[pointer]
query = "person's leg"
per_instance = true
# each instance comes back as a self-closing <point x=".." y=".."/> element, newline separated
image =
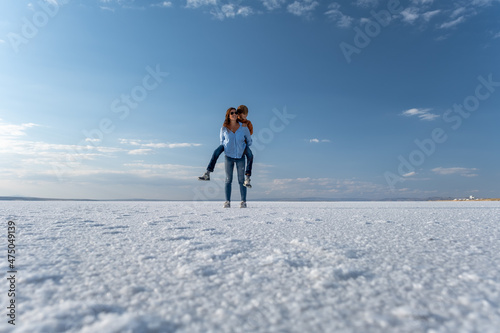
<point x="229" y="164"/>
<point x="240" y="168"/>
<point x="248" y="172"/>
<point x="211" y="164"/>
<point x="249" y="155"/>
<point x="215" y="156"/>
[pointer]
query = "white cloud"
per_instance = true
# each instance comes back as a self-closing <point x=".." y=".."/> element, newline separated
<point x="430" y="14"/>
<point x="163" y="4"/>
<point x="497" y="35"/>
<point x="41" y="161"/>
<point x="410" y="15"/>
<point x="53" y="2"/>
<point x="149" y="145"/>
<point x="418" y="12"/>
<point x="325" y="188"/>
<point x="422" y="2"/>
<point x="334" y="14"/>
<point x="273" y="4"/>
<point x="458" y="12"/>
<point x="244" y="11"/>
<point x="483" y="2"/>
<point x="12" y="130"/>
<point x="231" y="11"/>
<point x="442" y="37"/>
<point x="57" y="163"/>
<point x="182" y="145"/>
<point x="141" y="151"/>
<point x="158" y="166"/>
<point x="345" y="21"/>
<point x="129" y="142"/>
<point x="38" y="157"/>
<point x="366" y="3"/>
<point x="318" y="140"/>
<point x="302" y="8"/>
<point x="148" y="170"/>
<point x="200" y="3"/>
<point x="87" y="163"/>
<point x="54" y="150"/>
<point x="451" y="24"/>
<point x="228" y="10"/>
<point x="464" y="172"/>
<point x="423" y="114"/>
<point x="92" y="140"/>
<point x="37" y="160"/>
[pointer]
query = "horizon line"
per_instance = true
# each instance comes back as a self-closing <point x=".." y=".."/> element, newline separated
<point x="25" y="198"/>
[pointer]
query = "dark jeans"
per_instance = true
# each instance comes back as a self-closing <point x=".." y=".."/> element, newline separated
<point x="215" y="156"/>
<point x="249" y="156"/>
<point x="240" y="168"/>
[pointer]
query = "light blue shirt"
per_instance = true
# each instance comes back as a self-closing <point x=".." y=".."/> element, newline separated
<point x="234" y="143"/>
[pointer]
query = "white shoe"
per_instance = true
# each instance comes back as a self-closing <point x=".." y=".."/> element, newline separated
<point x="243" y="204"/>
<point x="227" y="204"/>
<point x="206" y="176"/>
<point x="247" y="183"/>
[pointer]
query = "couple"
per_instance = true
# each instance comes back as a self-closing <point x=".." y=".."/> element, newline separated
<point x="235" y="139"/>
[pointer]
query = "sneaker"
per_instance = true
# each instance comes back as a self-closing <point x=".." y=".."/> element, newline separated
<point x="206" y="176"/>
<point x="227" y="204"/>
<point x="243" y="204"/>
<point x="247" y="183"/>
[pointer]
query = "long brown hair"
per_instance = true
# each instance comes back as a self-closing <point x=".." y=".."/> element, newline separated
<point x="228" y="113"/>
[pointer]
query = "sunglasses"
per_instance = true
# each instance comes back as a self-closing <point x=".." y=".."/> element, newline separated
<point x="237" y="112"/>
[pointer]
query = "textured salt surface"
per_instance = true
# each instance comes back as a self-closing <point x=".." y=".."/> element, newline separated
<point x="274" y="267"/>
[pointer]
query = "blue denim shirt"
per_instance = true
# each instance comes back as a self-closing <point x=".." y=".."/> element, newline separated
<point x="234" y="143"/>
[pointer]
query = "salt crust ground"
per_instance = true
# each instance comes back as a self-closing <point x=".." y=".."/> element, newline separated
<point x="274" y="267"/>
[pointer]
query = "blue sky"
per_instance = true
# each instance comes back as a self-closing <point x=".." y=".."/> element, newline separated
<point x="349" y="99"/>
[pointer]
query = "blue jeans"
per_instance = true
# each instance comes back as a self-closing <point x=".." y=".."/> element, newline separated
<point x="249" y="156"/>
<point x="215" y="156"/>
<point x="240" y="168"/>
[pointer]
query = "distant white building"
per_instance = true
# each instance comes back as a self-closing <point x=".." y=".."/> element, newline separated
<point x="471" y="197"/>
